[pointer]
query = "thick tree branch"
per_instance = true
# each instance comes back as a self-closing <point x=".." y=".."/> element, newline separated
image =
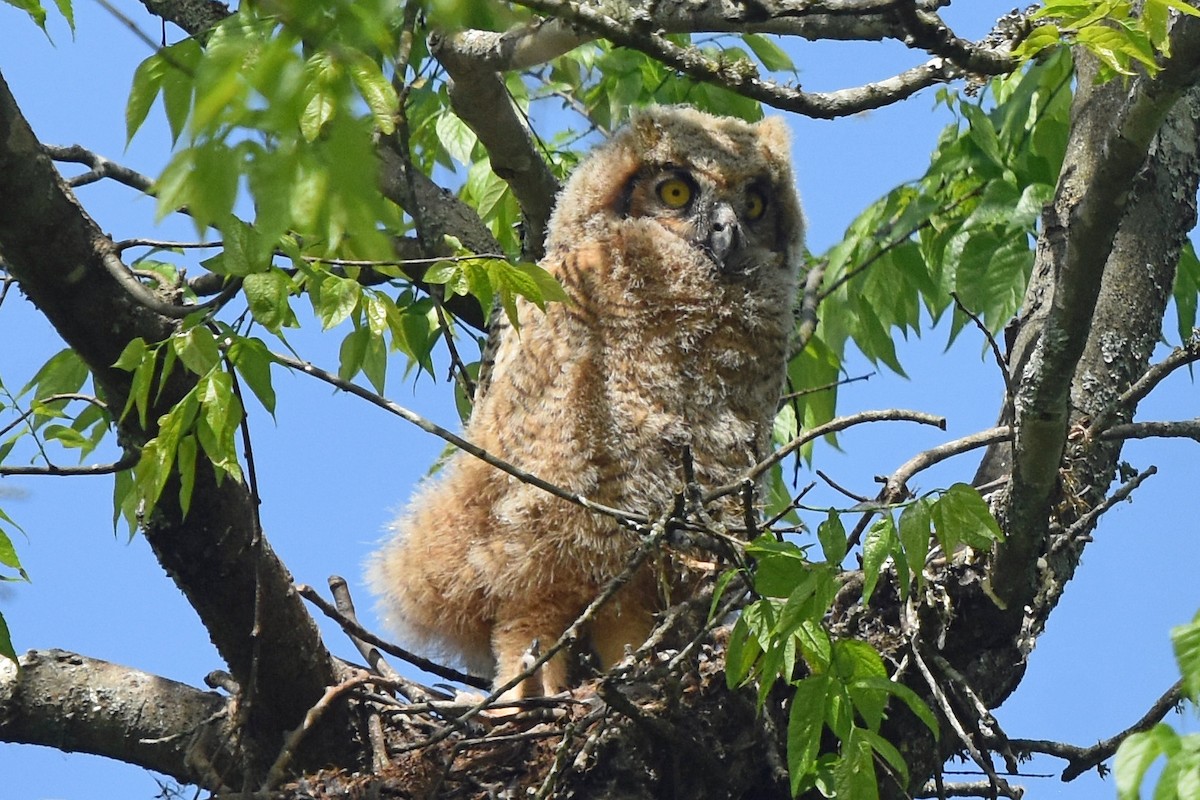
<point x="480" y="99"/>
<point x="741" y="77"/>
<point x="1106" y="149"/>
<point x="76" y="703"/>
<point x="56" y="252"/>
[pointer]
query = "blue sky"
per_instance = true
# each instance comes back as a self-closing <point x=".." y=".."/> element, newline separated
<point x="334" y="470"/>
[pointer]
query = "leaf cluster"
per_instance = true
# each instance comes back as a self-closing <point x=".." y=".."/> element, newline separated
<point x="1119" y="33"/>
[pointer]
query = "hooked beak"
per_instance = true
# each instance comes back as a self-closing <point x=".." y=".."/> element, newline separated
<point x="725" y="233"/>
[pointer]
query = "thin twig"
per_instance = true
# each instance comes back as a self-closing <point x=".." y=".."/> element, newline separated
<point x="1082" y="759"/>
<point x="833" y="426"/>
<point x="623" y="517"/>
<point x="1084" y="523"/>
<point x="1010" y="391"/>
<point x="356" y="631"/>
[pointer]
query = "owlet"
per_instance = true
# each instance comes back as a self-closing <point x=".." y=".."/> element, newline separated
<point x="679" y="243"/>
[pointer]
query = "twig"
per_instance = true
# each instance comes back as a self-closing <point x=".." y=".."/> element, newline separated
<point x="897" y="483"/>
<point x="458" y="369"/>
<point x="138" y="291"/>
<point x="970" y="789"/>
<point x="995" y="782"/>
<point x="1009" y="390"/>
<point x="1189" y="429"/>
<point x="101" y="167"/>
<point x="806" y="319"/>
<point x="1084" y="523"/>
<point x="623" y="517"/>
<point x="833" y="426"/>
<point x="826" y="387"/>
<point x="858" y="498"/>
<point x="1081" y="759"/>
<point x="357" y="632"/>
<point x="1181" y="356"/>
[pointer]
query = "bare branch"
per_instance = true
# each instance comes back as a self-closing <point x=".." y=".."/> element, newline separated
<point x="480" y="98"/>
<point x="354" y="629"/>
<point x="1081" y="759"/>
<point x="624" y="517"/>
<point x="1189" y="429"/>
<point x="101" y="168"/>
<point x="833" y="426"/>
<point x="740" y="76"/>
<point x="153" y="722"/>
<point x="896" y="483"/>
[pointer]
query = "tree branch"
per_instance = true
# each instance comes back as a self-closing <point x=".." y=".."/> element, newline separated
<point x="740" y="76"/>
<point x="57" y="252"/>
<point x="1081" y="759"/>
<point x="75" y="703"/>
<point x="1106" y="148"/>
<point x="480" y="98"/>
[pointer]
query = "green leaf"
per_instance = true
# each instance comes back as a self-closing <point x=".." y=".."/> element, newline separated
<point x="147" y="82"/>
<point x="454" y="135"/>
<point x="888" y="752"/>
<point x="854" y="773"/>
<point x="832" y="536"/>
<point x="1185" y="640"/>
<point x="268" y="295"/>
<point x="741" y="654"/>
<point x="915" y="537"/>
<point x="253" y="360"/>
<point x="806" y="720"/>
<point x="186" y="456"/>
<point x="907" y="696"/>
<point x="198" y="350"/>
<point x="376" y="90"/>
<point x="352" y="353"/>
<point x="1135" y="755"/>
<point x="33" y="8"/>
<point x="6" y="645"/>
<point x="1186" y="290"/>
<point x="961" y="514"/>
<point x="64" y="373"/>
<point x="772" y="56"/>
<point x="8" y="553"/>
<point x="336" y="300"/>
<point x="878" y="545"/>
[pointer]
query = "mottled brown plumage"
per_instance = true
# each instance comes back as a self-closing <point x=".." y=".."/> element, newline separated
<point x="679" y="242"/>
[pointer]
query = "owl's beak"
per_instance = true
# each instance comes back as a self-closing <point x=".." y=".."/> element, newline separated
<point x="725" y="233"/>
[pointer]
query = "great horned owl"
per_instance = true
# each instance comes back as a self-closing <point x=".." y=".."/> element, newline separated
<point x="678" y="243"/>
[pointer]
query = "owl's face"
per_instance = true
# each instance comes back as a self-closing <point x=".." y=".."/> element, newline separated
<point x="713" y="192"/>
<point x="735" y="223"/>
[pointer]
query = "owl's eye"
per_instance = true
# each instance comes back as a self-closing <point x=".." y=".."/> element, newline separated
<point x="675" y="192"/>
<point x="756" y="204"/>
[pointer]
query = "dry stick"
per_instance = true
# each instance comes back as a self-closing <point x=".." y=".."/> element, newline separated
<point x="1081" y="759"/>
<point x="458" y="369"/>
<point x="627" y="518"/>
<point x="345" y="606"/>
<point x="279" y="769"/>
<point x="833" y="426"/>
<point x="1087" y="520"/>
<point x="995" y="781"/>
<point x="357" y="632"/>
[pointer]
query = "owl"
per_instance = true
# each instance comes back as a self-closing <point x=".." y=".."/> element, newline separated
<point x="678" y="243"/>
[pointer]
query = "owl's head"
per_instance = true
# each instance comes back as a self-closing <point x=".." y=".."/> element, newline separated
<point x="718" y="185"/>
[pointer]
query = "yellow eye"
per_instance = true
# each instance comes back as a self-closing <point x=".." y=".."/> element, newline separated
<point x="675" y="192"/>
<point x="756" y="204"/>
